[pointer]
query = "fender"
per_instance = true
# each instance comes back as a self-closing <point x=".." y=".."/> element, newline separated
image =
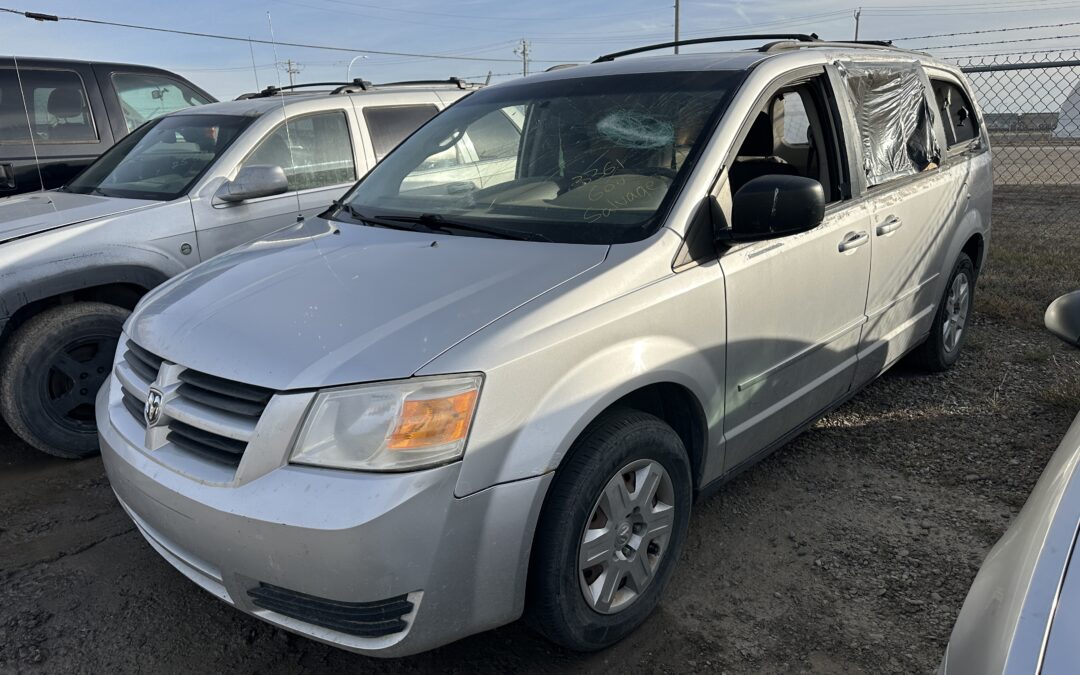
<point x="23" y="286"/>
<point x="511" y="444"/>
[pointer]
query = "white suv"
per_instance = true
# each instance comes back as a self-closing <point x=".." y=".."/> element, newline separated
<point x="446" y="403"/>
<point x="178" y="190"/>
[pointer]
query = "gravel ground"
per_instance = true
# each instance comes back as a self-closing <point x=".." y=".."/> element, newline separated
<point x="850" y="550"/>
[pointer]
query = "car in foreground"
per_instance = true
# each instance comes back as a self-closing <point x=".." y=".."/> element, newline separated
<point x="455" y="399"/>
<point x="57" y="116"/>
<point x="1022" y="614"/>
<point x="178" y="190"/>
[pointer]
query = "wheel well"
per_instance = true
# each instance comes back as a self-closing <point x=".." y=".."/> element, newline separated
<point x="119" y="294"/>
<point x="677" y="406"/>
<point x="974" y="249"/>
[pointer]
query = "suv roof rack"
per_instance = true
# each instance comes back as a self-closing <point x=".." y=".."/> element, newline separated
<point x="453" y="81"/>
<point x="798" y="37"/>
<point x="842" y="44"/>
<point x="272" y="90"/>
<point x="356" y="86"/>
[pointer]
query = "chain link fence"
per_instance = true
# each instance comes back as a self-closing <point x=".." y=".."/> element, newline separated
<point x="1031" y="107"/>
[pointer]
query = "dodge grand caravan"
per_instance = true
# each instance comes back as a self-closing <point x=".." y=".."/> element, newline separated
<point x="447" y="403"/>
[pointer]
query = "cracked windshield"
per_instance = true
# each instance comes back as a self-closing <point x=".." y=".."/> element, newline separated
<point x="586" y="160"/>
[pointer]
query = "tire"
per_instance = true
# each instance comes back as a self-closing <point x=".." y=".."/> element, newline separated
<point x="556" y="603"/>
<point x="50" y="372"/>
<point x="940" y="352"/>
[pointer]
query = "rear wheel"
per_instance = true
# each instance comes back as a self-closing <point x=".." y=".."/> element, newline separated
<point x="50" y="373"/>
<point x="949" y="331"/>
<point x="610" y="533"/>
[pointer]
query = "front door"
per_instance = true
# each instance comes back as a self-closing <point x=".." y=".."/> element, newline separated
<point x="316" y="152"/>
<point x="795" y="304"/>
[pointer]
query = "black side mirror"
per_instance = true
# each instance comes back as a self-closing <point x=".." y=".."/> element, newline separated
<point x="775" y="206"/>
<point x="1063" y="318"/>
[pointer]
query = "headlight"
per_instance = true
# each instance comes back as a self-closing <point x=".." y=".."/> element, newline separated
<point x="392" y="426"/>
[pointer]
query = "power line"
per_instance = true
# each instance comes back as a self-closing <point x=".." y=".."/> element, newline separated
<point x="990" y="30"/>
<point x="235" y="38"/>
<point x="1002" y="42"/>
<point x="491" y="18"/>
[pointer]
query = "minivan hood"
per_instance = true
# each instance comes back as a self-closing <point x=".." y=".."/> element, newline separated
<point x="313" y="306"/>
<point x="34" y="212"/>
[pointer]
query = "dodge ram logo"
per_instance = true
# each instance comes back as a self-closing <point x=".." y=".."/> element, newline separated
<point x="152" y="409"/>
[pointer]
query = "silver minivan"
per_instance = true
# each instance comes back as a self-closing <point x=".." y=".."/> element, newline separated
<point x="446" y="404"/>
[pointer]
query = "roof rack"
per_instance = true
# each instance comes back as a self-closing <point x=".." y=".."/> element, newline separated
<point x="362" y="85"/>
<point x="455" y="81"/>
<point x="840" y="44"/>
<point x="798" y="37"/>
<point x="356" y="86"/>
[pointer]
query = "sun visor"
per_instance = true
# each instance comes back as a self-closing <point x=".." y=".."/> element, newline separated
<point x="896" y="124"/>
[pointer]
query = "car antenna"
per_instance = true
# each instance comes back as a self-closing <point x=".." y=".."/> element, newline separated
<point x="29" y="126"/>
<point x="284" y="113"/>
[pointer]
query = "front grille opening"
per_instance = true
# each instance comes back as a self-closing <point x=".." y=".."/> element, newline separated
<point x="221" y="394"/>
<point x="145" y="364"/>
<point x="362" y="619"/>
<point x="133" y="405"/>
<point x="206" y="444"/>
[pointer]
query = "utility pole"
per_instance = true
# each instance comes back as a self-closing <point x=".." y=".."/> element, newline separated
<point x="858" y="13"/>
<point x="676" y="25"/>
<point x="523" y="50"/>
<point x="292" y="68"/>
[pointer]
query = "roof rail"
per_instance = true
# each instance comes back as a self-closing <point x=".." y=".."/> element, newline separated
<point x="799" y="37"/>
<point x="274" y="91"/>
<point x="454" y="81"/>
<point x="356" y="86"/>
<point x="844" y="44"/>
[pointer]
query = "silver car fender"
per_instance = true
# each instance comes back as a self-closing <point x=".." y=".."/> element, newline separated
<point x="555" y="364"/>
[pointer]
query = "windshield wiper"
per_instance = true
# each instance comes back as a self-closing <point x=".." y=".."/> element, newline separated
<point x="435" y="221"/>
<point x="375" y="221"/>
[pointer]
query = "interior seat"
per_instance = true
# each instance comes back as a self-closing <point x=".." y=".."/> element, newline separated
<point x="757" y="156"/>
<point x="67" y="105"/>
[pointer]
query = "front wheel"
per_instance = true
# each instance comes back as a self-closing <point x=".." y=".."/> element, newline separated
<point x="610" y="533"/>
<point x="950" y="328"/>
<point x="50" y="373"/>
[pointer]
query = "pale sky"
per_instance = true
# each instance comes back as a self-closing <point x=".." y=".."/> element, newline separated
<point x="560" y="31"/>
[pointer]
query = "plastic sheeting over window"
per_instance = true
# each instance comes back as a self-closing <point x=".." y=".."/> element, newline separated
<point x="896" y="124"/>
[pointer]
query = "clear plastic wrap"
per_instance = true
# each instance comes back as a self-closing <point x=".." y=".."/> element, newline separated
<point x="896" y="124"/>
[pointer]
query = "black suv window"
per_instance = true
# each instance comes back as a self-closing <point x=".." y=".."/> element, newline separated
<point x="56" y="103"/>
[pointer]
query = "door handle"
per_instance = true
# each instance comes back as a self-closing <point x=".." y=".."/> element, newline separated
<point x="853" y="240"/>
<point x="7" y="176"/>
<point x="891" y="224"/>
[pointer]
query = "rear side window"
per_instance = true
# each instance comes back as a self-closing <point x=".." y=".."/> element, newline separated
<point x="957" y="114"/>
<point x="895" y="121"/>
<point x="13" y="125"/>
<point x="494" y="136"/>
<point x="57" y="105"/>
<point x="390" y="125"/>
<point x="314" y="150"/>
<point x="144" y="97"/>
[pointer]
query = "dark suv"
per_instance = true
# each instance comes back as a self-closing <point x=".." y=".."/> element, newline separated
<point x="57" y="116"/>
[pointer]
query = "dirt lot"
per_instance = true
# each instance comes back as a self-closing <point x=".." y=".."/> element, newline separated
<point x="850" y="550"/>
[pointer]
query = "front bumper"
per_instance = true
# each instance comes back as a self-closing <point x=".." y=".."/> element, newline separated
<point x="343" y="536"/>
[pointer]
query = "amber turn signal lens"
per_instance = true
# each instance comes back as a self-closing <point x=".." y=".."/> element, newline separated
<point x="435" y="421"/>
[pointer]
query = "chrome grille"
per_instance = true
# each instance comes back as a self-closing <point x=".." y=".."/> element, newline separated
<point x="203" y="415"/>
<point x="145" y="364"/>
<point x="133" y="405"/>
